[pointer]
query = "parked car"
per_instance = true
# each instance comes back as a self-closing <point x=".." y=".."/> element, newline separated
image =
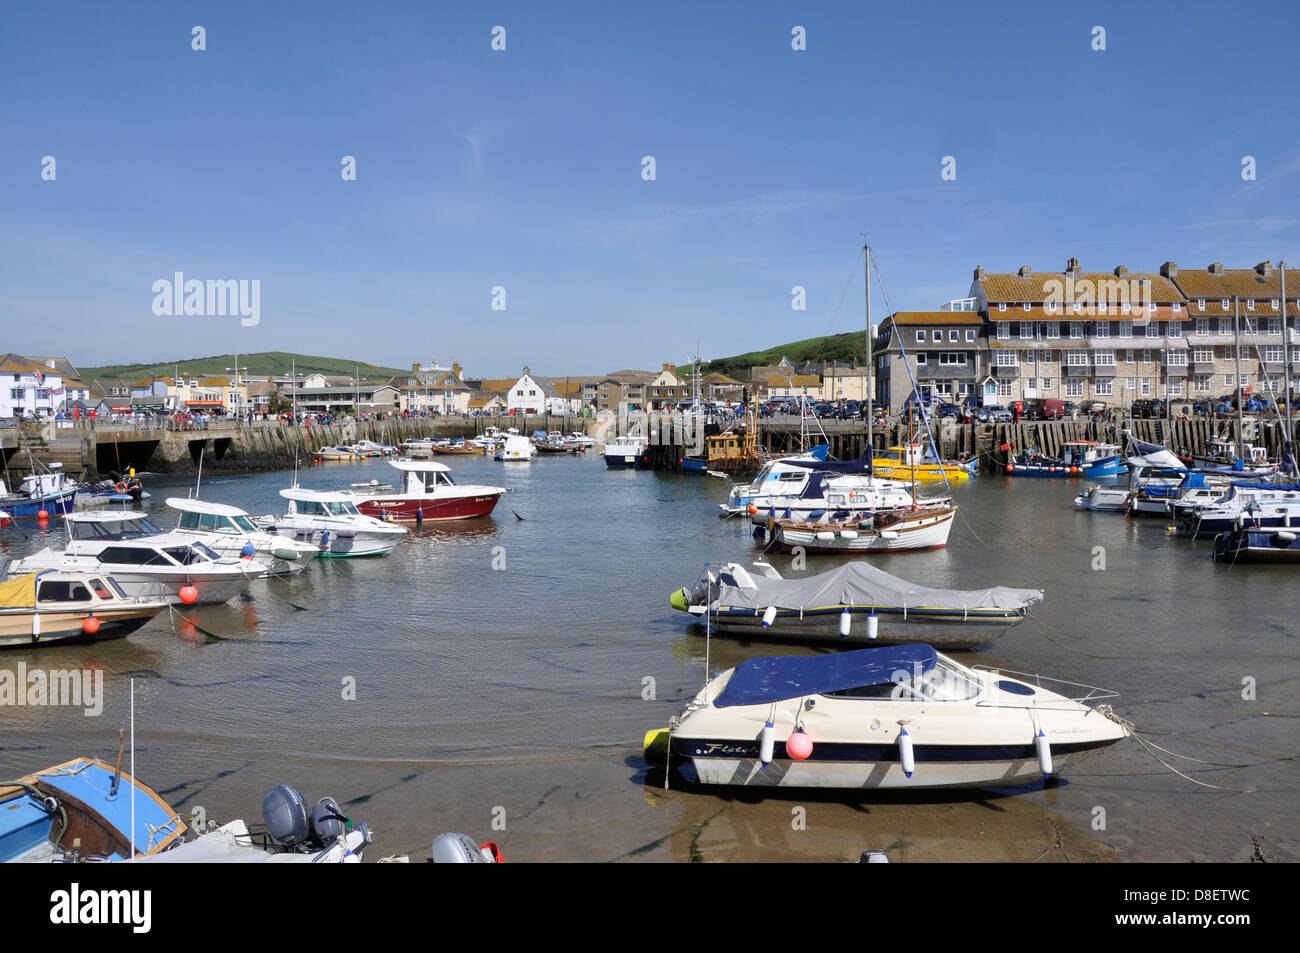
<point x="1148" y="409"/>
<point x="1093" y="408"/>
<point x="994" y="413"/>
<point x="1044" y="408"/>
<point x="950" y="410"/>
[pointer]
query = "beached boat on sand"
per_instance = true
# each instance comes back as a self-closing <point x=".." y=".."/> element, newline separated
<point x="884" y="718"/>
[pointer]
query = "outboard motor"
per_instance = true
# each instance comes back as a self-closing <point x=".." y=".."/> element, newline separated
<point x="457" y="849"/>
<point x="285" y="812"/>
<point x="328" y="822"/>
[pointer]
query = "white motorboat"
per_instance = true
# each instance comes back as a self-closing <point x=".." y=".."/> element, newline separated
<point x="229" y="531"/>
<point x="515" y="449"/>
<point x="924" y="527"/>
<point x="46" y="607"/>
<point x="1104" y="499"/>
<point x="429" y="494"/>
<point x="1241" y="504"/>
<point x="885" y="718"/>
<point x="332" y="522"/>
<point x="577" y="439"/>
<point x="781" y="482"/>
<point x="145" y="561"/>
<point x="856" y="602"/>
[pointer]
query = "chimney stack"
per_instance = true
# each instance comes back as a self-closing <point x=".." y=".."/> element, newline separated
<point x="1216" y="268"/>
<point x="1072" y="268"/>
<point x="1265" y="269"/>
<point x="415" y="367"/>
<point x="1170" y="270"/>
<point x="1025" y="271"/>
<point x="979" y="272"/>
<point x="1121" y="271"/>
<point x="455" y="368"/>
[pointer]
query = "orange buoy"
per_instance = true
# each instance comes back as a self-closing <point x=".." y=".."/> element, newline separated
<point x="1011" y="467"/>
<point x="90" y="625"/>
<point x="188" y="594"/>
<point x="43" y="515"/>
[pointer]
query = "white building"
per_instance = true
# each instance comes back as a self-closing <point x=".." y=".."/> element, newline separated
<point x="536" y="395"/>
<point x="29" y="388"/>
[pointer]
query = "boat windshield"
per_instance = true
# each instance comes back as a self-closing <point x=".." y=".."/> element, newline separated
<point x="215" y="523"/>
<point x="131" y="528"/>
<point x="340" y="508"/>
<point x="946" y="682"/>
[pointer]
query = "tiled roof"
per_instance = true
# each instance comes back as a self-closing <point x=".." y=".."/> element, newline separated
<point x="935" y="317"/>
<point x="1162" y="313"/>
<point x="1034" y="287"/>
<point x="1245" y="283"/>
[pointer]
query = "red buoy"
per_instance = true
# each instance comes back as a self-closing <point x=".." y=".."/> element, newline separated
<point x="90" y="625"/>
<point x="1010" y="467"/>
<point x="43" y="515"/>
<point x="189" y="595"/>
<point x="799" y="746"/>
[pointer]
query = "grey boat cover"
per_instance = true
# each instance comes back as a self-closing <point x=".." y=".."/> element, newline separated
<point x="861" y="584"/>
<point x="774" y="679"/>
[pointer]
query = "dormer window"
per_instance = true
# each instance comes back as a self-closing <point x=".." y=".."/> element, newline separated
<point x="1051" y="307"/>
<point x="1151" y="308"/>
<point x="1273" y="304"/>
<point x="1002" y="306"/>
<point x="1025" y="306"/>
<point x="1250" y="304"/>
<point x="1200" y="304"/>
<point x="1177" y="307"/>
<point x="1225" y="304"/>
<point x="1126" y="308"/>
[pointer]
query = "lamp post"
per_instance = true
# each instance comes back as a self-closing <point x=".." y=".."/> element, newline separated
<point x="237" y="369"/>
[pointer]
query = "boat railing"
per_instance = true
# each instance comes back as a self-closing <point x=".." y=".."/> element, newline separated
<point x="1005" y="698"/>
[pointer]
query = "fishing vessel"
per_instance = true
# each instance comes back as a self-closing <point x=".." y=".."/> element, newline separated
<point x="144" y="560"/>
<point x="1088" y="458"/>
<point x="229" y="531"/>
<point x="856" y="602"/>
<point x="429" y="493"/>
<point x="626" y="452"/>
<point x="923" y="527"/>
<point x="331" y="522"/>
<point x="51" y="493"/>
<point x="45" y="607"/>
<point x="913" y="463"/>
<point x="884" y="718"/>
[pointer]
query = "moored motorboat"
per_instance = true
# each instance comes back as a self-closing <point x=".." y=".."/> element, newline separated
<point x="332" y="522"/>
<point x="50" y="606"/>
<point x="229" y="531"/>
<point x="923" y="527"/>
<point x="883" y="718"/>
<point x="856" y="602"/>
<point x="911" y="463"/>
<point x="428" y="494"/>
<point x="1253" y="544"/>
<point x="335" y="453"/>
<point x="143" y="559"/>
<point x="1101" y="498"/>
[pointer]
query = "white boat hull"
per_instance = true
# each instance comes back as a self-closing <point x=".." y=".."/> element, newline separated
<point x="927" y="532"/>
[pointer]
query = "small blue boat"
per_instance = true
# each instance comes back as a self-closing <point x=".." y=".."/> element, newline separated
<point x="83" y="807"/>
<point x="1079" y="458"/>
<point x="52" y="492"/>
<point x="1253" y="544"/>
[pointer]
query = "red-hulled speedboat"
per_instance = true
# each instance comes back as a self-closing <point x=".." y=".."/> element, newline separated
<point x="429" y="493"/>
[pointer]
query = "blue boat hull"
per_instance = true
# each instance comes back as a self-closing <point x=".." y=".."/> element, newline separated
<point x="1105" y="467"/>
<point x="54" y="503"/>
<point x="691" y="465"/>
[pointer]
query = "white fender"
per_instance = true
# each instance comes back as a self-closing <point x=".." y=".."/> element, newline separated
<point x="769" y="617"/>
<point x="1044" y="753"/>
<point x="767" y="743"/>
<point x="846" y="621"/>
<point x="906" y="753"/>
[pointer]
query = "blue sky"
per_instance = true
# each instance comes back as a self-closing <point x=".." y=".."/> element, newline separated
<point x="522" y="168"/>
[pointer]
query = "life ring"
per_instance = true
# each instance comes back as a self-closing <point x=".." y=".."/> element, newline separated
<point x="121" y="486"/>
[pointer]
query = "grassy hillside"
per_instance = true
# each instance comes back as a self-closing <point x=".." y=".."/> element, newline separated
<point x="850" y="347"/>
<point x="258" y="365"/>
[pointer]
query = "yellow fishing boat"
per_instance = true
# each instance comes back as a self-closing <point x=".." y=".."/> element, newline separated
<point x="909" y="463"/>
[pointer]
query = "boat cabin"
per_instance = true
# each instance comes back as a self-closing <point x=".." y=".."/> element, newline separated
<point x="1077" y="452"/>
<point x="322" y="507"/>
<point x="113" y="525"/>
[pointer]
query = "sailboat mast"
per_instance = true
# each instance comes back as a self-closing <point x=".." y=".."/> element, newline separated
<point x="1236" y="349"/>
<point x="871" y="380"/>
<point x="1286" y="364"/>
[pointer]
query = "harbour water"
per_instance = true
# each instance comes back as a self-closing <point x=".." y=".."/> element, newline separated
<point x="506" y="669"/>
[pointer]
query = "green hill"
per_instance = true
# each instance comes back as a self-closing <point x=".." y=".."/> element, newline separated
<point x="258" y="365"/>
<point x="850" y="347"/>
